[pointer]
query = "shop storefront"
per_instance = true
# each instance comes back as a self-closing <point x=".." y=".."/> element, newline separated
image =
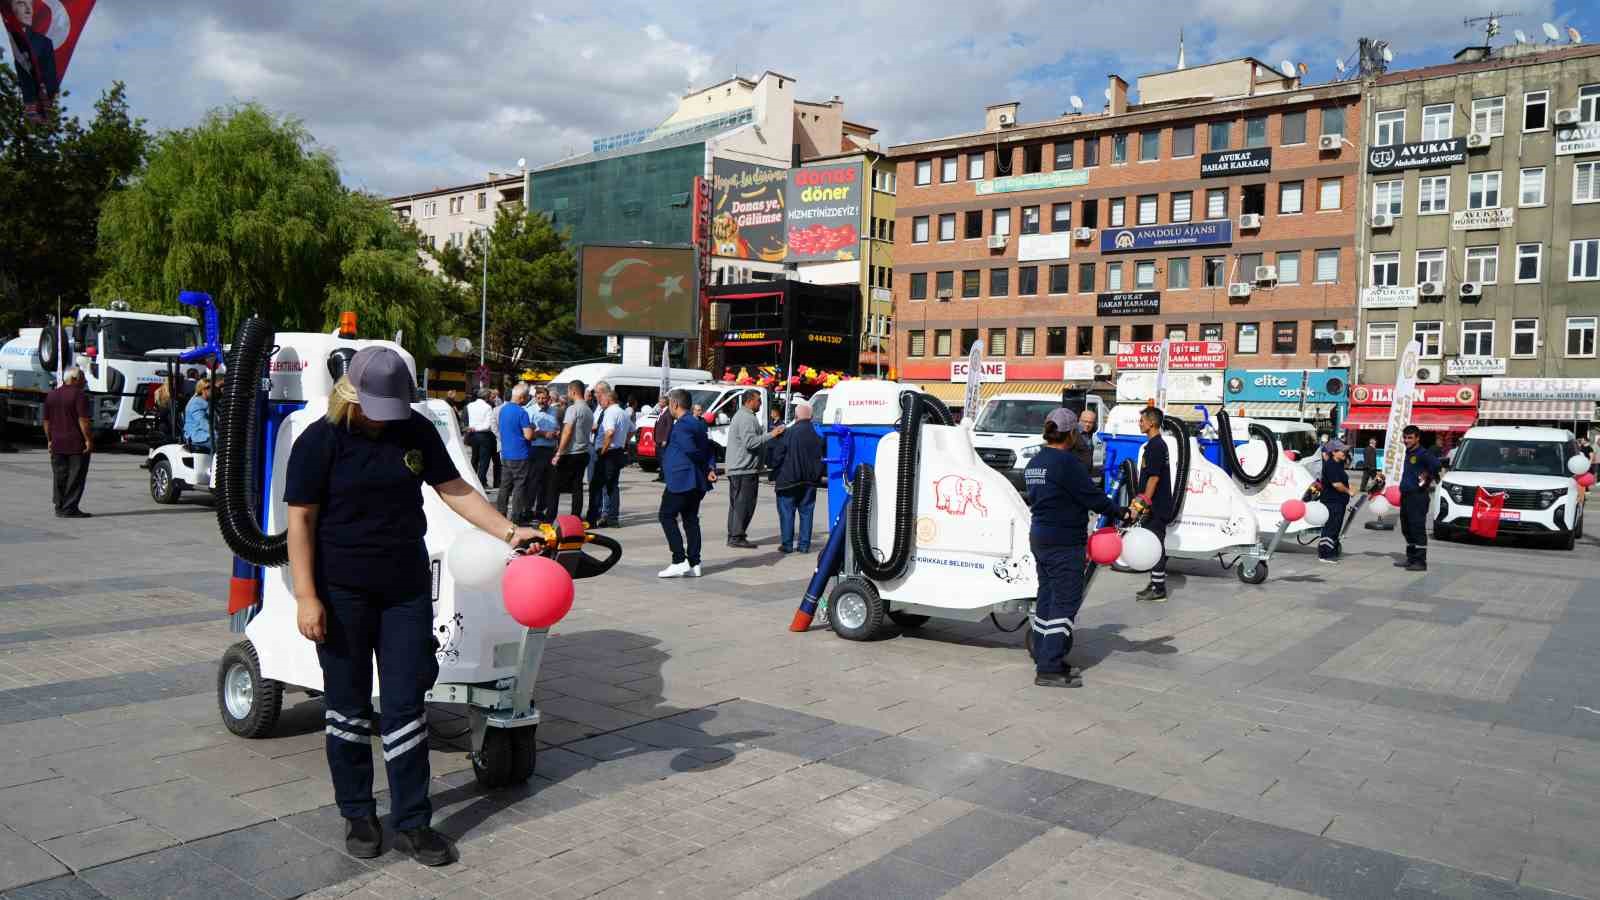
<point x="1194" y="375"/>
<point x="1301" y="395"/>
<point x="1557" y="402"/>
<point x="1004" y="377"/>
<point x="1445" y="411"/>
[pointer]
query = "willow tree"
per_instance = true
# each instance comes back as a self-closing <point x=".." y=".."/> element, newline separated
<point x="247" y="207"/>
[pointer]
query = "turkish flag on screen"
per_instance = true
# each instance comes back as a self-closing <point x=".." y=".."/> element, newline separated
<point x="1486" y="513"/>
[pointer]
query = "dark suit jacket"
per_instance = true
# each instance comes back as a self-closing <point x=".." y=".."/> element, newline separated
<point x="687" y="458"/>
<point x="43" y="54"/>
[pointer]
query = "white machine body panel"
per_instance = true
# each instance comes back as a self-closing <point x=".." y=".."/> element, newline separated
<point x="1216" y="514"/>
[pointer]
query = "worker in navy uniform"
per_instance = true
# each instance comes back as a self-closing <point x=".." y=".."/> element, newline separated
<point x="1416" y="480"/>
<point x="1336" y="493"/>
<point x="363" y="586"/>
<point x="1061" y="494"/>
<point x="1153" y="492"/>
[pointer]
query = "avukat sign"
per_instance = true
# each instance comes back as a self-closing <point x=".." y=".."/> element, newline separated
<point x="43" y="34"/>
<point x="1405" y="389"/>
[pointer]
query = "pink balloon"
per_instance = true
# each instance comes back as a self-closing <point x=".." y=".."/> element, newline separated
<point x="1293" y="509"/>
<point x="1105" y="546"/>
<point x="1586" y="480"/>
<point x="537" y="591"/>
<point x="1392" y="494"/>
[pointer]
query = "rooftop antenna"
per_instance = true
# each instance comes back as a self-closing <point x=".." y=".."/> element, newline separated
<point x="1490" y="23"/>
<point x="1077" y="103"/>
<point x="1108" y="98"/>
<point x="1373" y="57"/>
<point x="1551" y="32"/>
<point x="1286" y="67"/>
<point x="1573" y="35"/>
<point x="1181" y="63"/>
<point x="1520" y="35"/>
<point x="1339" y="64"/>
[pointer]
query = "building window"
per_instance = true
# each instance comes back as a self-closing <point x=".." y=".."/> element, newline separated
<point x="1091" y="151"/>
<point x="1327" y="266"/>
<point x="1289" y="267"/>
<point x="1248" y="263"/>
<point x="1214" y="271"/>
<point x="1033" y="159"/>
<point x="1580" y="335"/>
<point x="1030" y="220"/>
<point x="1381" y="339"/>
<point x="974" y="166"/>
<point x="1294" y="128"/>
<point x="1148" y="204"/>
<point x="1253" y="199"/>
<point x="1483" y="264"/>
<point x="924" y="171"/>
<point x="1024" y="341"/>
<point x="944" y="284"/>
<point x="1333" y="120"/>
<point x="1149" y="145"/>
<point x="916" y="343"/>
<point x="483" y="199"/>
<point x="1060" y="217"/>
<point x="997" y="342"/>
<point x="1385" y="269"/>
<point x="1178" y="273"/>
<point x="1089" y="213"/>
<point x="941" y="342"/>
<point x="947" y="226"/>
<point x="1086" y="278"/>
<point x="1114" y="276"/>
<point x="1388" y="198"/>
<point x="1532" y="187"/>
<point x="1210" y="331"/>
<point x="947" y="169"/>
<point x="1535" y="110"/>
<point x="969" y="339"/>
<point x="970" y="283"/>
<point x="1219" y="136"/>
<point x="1055" y="341"/>
<point x="1255" y="131"/>
<point x="1248" y="338"/>
<point x="1117" y="217"/>
<point x="1437" y="122"/>
<point x="999" y="282"/>
<point x="1391" y="128"/>
<point x="1144" y="333"/>
<point x="1111" y="336"/>
<point x="919" y="286"/>
<point x="1430" y="335"/>
<point x="1483" y="190"/>
<point x="456" y="204"/>
<point x="1060" y="279"/>
<point x="1085" y="346"/>
<point x="1177" y="333"/>
<point x="1182" y="205"/>
<point x="1216" y="203"/>
<point x="1322" y="335"/>
<point x="1430" y="266"/>
<point x="1001" y="222"/>
<point x="1183" y="141"/>
<point x="1285" y="337"/>
<point x="973" y="224"/>
<point x="1489" y="116"/>
<point x="1586" y="182"/>
<point x="1529" y="257"/>
<point x="1063" y="154"/>
<point x="1585" y="254"/>
<point x="1589" y="103"/>
<point x="1433" y="194"/>
<point x="919" y="230"/>
<point x="1144" y="275"/>
<point x="1329" y="193"/>
<point x="1119" y="148"/>
<point x="1291" y="197"/>
<point x="1027" y="281"/>
<point x="1477" y="337"/>
<point x="1524" y="338"/>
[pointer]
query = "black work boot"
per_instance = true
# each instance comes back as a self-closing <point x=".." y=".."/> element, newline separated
<point x="426" y="846"/>
<point x="1066" y="679"/>
<point x="1419" y="563"/>
<point x="363" y="837"/>
<point x="1152" y="594"/>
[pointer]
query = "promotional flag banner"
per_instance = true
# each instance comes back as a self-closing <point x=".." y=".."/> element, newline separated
<point x="666" y="372"/>
<point x="1486" y="509"/>
<point x="43" y="34"/>
<point x="1163" y="365"/>
<point x="1405" y="390"/>
<point x="969" y="405"/>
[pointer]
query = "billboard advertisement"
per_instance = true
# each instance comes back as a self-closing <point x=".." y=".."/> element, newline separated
<point x="1189" y="355"/>
<point x="43" y="34"/>
<point x="1158" y="237"/>
<point x="632" y="289"/>
<point x="747" y="203"/>
<point x="824" y="211"/>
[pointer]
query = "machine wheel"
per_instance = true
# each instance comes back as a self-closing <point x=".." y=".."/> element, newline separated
<point x="907" y="620"/>
<point x="249" y="704"/>
<point x="1256" y="577"/>
<point x="163" y="487"/>
<point x="855" y="610"/>
<point x="1569" y="541"/>
<point x="507" y="757"/>
<point x="1443" y="534"/>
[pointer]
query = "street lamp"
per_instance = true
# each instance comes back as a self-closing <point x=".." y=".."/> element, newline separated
<point x="483" y="310"/>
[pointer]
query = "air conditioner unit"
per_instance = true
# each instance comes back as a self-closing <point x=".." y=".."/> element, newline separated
<point x="1083" y="234"/>
<point x="1102" y="369"/>
<point x="1339" y="360"/>
<point x="1430" y="289"/>
<point x="1344" y="338"/>
<point x="1568" y="116"/>
<point x="1006" y="119"/>
<point x="1328" y="142"/>
<point x="1239" y="289"/>
<point x="945" y="294"/>
<point x="1382" y="220"/>
<point x="997" y="241"/>
<point x="1266" y="273"/>
<point x="1477" y="140"/>
<point x="1470" y="290"/>
<point x="1428" y="374"/>
<point x="1250" y="221"/>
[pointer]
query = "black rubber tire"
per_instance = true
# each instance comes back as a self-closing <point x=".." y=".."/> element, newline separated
<point x="1444" y="535"/>
<point x="868" y="629"/>
<point x="1568" y="542"/>
<point x="266" y="695"/>
<point x="507" y="758"/>
<point x="1257" y="577"/>
<point x="163" y="487"/>
<point x="907" y="620"/>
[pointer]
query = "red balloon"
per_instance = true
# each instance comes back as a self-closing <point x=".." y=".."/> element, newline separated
<point x="1291" y="455"/>
<point x="1293" y="509"/>
<point x="1586" y="480"/>
<point x="537" y="591"/>
<point x="1105" y="546"/>
<point x="1392" y="494"/>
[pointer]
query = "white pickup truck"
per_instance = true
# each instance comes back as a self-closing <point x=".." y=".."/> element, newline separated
<point x="1009" y="427"/>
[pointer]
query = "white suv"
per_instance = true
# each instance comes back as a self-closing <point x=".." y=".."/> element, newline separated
<point x="1530" y="466"/>
<point x="1007" y="434"/>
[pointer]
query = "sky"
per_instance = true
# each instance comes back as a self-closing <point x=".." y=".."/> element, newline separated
<point x="410" y="96"/>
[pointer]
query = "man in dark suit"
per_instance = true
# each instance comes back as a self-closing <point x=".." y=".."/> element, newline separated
<point x="35" y="60"/>
<point x="689" y="469"/>
<point x="795" y="459"/>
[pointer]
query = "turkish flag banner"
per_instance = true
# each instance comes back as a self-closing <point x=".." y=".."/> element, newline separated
<point x="1486" y="509"/>
<point x="43" y="35"/>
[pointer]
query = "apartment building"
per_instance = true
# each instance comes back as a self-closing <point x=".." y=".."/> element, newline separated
<point x="448" y="215"/>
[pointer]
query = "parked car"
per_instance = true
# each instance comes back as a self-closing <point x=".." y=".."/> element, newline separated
<point x="1528" y="465"/>
<point x="1007" y="434"/>
<point x="718" y="399"/>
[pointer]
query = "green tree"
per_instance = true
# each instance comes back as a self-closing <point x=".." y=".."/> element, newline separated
<point x="247" y="207"/>
<point x="54" y="179"/>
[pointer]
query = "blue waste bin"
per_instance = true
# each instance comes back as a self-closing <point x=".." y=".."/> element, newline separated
<point x="849" y="446"/>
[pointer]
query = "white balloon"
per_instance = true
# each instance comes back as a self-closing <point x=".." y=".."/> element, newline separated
<point x="476" y="559"/>
<point x="1380" y="506"/>
<point x="1141" y="549"/>
<point x="1578" y="464"/>
<point x="1316" y="514"/>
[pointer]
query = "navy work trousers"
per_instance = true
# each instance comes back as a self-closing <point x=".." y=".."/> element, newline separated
<point x="398" y="629"/>
<point x="1055" y="611"/>
<point x="682" y="506"/>
<point x="1414" y="525"/>
<point x="1329" y="545"/>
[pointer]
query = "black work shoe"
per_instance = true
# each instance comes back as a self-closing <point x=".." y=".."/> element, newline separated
<point x="1417" y="566"/>
<point x="363" y="837"/>
<point x="426" y="846"/>
<point x="1067" y="679"/>
<point x="1152" y="595"/>
<point x="742" y="544"/>
<point x="1403" y="563"/>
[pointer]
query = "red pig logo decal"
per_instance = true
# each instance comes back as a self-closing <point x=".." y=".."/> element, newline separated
<point x="955" y="495"/>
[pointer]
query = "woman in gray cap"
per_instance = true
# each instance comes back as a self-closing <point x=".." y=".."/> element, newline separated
<point x="363" y="586"/>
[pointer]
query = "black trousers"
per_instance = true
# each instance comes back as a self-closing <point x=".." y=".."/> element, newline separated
<point x="398" y="629"/>
<point x="483" y="454"/>
<point x="1158" y="575"/>
<point x="568" y="480"/>
<point x="1414" y="525"/>
<point x="605" y="486"/>
<point x="1329" y="543"/>
<point x="1055" y="611"/>
<point x="70" y="470"/>
<point x="685" y="507"/>
<point x="539" y="476"/>
<point x="742" y="490"/>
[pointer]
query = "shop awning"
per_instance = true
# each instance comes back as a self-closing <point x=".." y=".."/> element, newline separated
<point x="1426" y="418"/>
<point x="1556" y="411"/>
<point x="951" y="392"/>
<point x="1313" y="411"/>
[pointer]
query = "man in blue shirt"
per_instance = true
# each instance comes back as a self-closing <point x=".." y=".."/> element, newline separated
<point x="1417" y="477"/>
<point x="516" y="435"/>
<point x="197" y="418"/>
<point x="546" y="428"/>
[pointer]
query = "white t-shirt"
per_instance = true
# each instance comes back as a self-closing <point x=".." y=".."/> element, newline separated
<point x="480" y="416"/>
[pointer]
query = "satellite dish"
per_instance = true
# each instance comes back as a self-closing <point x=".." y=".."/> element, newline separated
<point x="1388" y="55"/>
<point x="1339" y="64"/>
<point x="443" y="343"/>
<point x="1304" y="69"/>
<point x="1286" y="67"/>
<point x="1520" y="35"/>
<point x="1551" y="32"/>
<point x="463" y="345"/>
<point x="1076" y="101"/>
<point x="522" y="162"/>
<point x="1573" y="35"/>
<point x="1108" y="93"/>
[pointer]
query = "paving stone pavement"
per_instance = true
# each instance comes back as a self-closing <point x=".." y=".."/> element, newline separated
<point x="1341" y="731"/>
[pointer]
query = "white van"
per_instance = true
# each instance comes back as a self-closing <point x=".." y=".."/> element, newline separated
<point x="630" y="382"/>
<point x="1008" y="431"/>
<point x="1526" y="464"/>
<point x="718" y="400"/>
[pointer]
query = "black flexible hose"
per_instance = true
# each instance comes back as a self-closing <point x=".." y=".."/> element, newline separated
<point x="1230" y="457"/>
<point x="1180" y="484"/>
<point x="239" y="428"/>
<point x="914" y="410"/>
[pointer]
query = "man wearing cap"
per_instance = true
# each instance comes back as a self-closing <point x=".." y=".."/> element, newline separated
<point x="363" y="588"/>
<point x="1336" y="495"/>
